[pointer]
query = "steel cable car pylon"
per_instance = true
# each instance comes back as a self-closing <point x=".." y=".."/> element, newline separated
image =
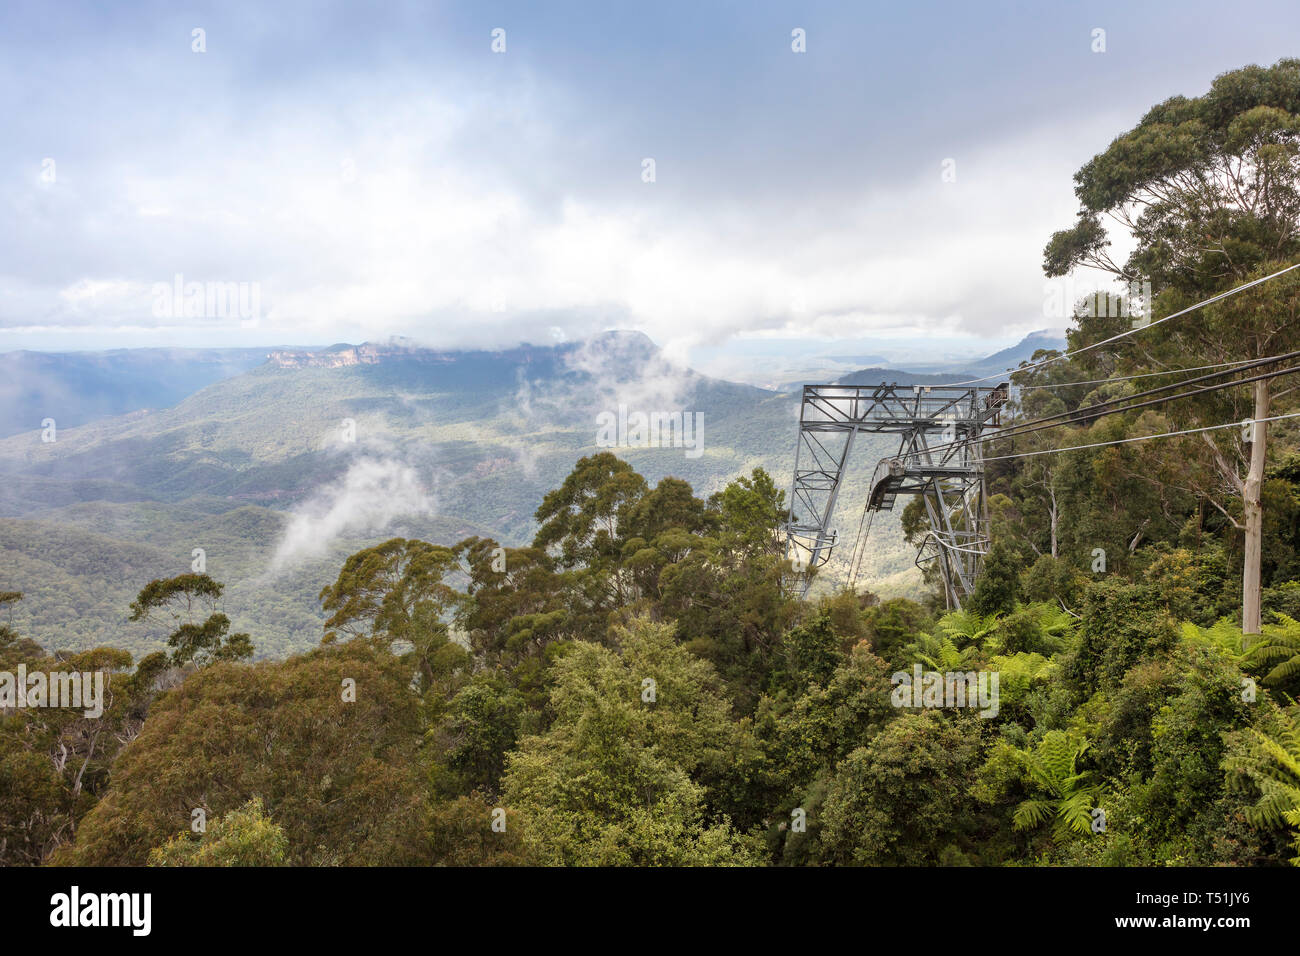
<point x="941" y="428"/>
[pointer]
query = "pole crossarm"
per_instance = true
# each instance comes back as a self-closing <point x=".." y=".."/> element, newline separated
<point x="947" y="470"/>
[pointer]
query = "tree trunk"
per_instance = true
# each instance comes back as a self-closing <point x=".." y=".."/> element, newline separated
<point x="1254" y="514"/>
<point x="1055" y="516"/>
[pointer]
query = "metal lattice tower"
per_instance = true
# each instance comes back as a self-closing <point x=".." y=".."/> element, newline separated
<point x="940" y="429"/>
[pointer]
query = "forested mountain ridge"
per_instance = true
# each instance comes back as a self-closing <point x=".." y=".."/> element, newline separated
<point x="362" y="441"/>
<point x="78" y="387"/>
<point x="227" y="467"/>
<point x="990" y="367"/>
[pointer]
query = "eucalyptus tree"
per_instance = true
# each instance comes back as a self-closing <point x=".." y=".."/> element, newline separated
<point x="1208" y="191"/>
<point x="200" y="642"/>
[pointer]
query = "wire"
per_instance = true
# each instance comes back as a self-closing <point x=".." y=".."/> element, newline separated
<point x="1127" y="378"/>
<point x="860" y="545"/>
<point x="1128" y="332"/>
<point x="1124" y="441"/>
<point x="1091" y="413"/>
<point x="1093" y="416"/>
<point x="1101" y="409"/>
<point x="1076" y="417"/>
<point x="1101" y="444"/>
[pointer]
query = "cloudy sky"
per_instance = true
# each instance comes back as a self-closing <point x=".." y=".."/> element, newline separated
<point x="360" y="171"/>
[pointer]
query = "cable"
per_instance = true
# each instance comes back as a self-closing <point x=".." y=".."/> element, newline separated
<point x="1076" y="418"/>
<point x="1093" y="416"/>
<point x="860" y="545"/>
<point x="1091" y="413"/>
<point x="1103" y="444"/>
<point x="859" y="542"/>
<point x="1127" y="378"/>
<point x="1127" y="332"/>
<point x="1095" y="411"/>
<point x="1124" y="441"/>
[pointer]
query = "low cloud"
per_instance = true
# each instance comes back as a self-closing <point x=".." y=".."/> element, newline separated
<point x="372" y="494"/>
<point x="531" y="240"/>
<point x="628" y="369"/>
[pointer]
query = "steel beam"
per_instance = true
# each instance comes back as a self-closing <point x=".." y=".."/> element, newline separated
<point x="940" y="428"/>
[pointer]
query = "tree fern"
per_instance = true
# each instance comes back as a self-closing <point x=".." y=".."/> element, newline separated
<point x="966" y="627"/>
<point x="1070" y="795"/>
<point x="1224" y="635"/>
<point x="1280" y="642"/>
<point x="935" y="652"/>
<point x="1273" y="765"/>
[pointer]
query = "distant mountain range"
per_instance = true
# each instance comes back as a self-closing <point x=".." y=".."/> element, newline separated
<point x="270" y="466"/>
<point x="874" y="376"/>
<point x="74" y="388"/>
<point x="1008" y="358"/>
<point x="1023" y="351"/>
<point x="274" y="475"/>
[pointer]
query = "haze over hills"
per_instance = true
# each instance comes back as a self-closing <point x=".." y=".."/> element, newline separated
<point x="914" y="373"/>
<point x="998" y="362"/>
<point x="1023" y="351"/>
<point x="277" y="472"/>
<point x="78" y="387"/>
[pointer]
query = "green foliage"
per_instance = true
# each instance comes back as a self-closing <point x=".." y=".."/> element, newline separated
<point x="969" y="627"/>
<point x="1034" y="628"/>
<point x="901" y="799"/>
<point x="460" y="832"/>
<point x="395" y="592"/>
<point x="1122" y="623"/>
<point x="936" y="652"/>
<point x="1223" y="635"/>
<point x="1272" y="765"/>
<point x="481" y="727"/>
<point x="811" y="652"/>
<point x="55" y="763"/>
<point x="245" y="836"/>
<point x="616" y="777"/>
<point x="892" y="624"/>
<point x="1019" y="674"/>
<point x="1280" y="643"/>
<point x="340" y="775"/>
<point x="390" y="589"/>
<point x="200" y="643"/>
<point x="1065" y="794"/>
<point x="1244" y="132"/>
<point x="821" y="726"/>
<point x="998" y="583"/>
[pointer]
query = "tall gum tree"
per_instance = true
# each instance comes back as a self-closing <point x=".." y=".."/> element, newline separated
<point x="1208" y="189"/>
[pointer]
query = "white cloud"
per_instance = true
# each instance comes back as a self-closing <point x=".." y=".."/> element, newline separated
<point x="384" y="222"/>
<point x="372" y="495"/>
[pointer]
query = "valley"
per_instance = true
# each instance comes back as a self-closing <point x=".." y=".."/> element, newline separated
<point x="336" y="449"/>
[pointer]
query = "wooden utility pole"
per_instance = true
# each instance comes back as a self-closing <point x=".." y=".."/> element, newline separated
<point x="1254" y="514"/>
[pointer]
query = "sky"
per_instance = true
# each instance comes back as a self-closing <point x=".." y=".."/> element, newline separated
<point x="481" y="174"/>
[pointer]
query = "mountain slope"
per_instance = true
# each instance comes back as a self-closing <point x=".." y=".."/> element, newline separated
<point x="74" y="388"/>
<point x="279" y="473"/>
<point x="989" y="366"/>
